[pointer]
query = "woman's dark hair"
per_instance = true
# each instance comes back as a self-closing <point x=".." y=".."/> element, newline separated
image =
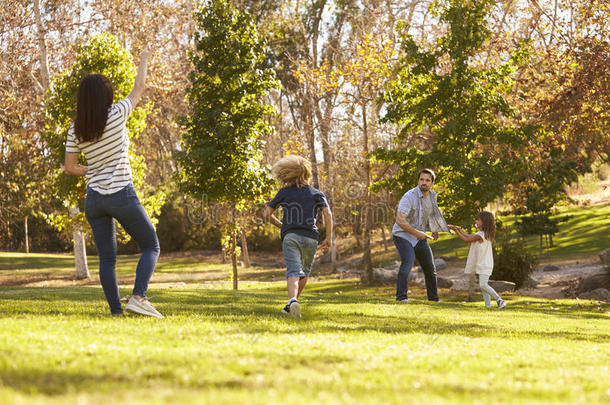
<point x="93" y="101"/>
<point x="489" y="224"/>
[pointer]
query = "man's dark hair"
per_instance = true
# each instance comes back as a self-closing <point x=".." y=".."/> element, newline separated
<point x="427" y="171"/>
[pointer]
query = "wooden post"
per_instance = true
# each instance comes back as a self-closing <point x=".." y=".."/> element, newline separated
<point x="27" y="245"/>
<point x="234" y="256"/>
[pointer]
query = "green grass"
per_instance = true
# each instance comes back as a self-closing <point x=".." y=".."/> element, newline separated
<point x="353" y="345"/>
<point x="59" y="345"/>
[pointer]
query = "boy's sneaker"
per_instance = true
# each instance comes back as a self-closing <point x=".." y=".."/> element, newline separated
<point x="501" y="304"/>
<point x="295" y="309"/>
<point x="142" y="307"/>
<point x="403" y="301"/>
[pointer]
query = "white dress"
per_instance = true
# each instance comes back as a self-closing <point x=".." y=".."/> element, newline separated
<point x="480" y="257"/>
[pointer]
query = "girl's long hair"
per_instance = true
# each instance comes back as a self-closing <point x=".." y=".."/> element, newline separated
<point x="93" y="102"/>
<point x="489" y="224"/>
<point x="292" y="170"/>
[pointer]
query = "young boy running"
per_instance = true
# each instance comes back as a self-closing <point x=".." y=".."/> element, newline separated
<point x="300" y="204"/>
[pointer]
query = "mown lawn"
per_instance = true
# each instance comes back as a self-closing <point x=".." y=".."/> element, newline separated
<point x="59" y="345"/>
<point x="353" y="345"/>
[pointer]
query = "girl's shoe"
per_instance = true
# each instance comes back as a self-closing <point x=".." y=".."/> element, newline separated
<point x="501" y="304"/>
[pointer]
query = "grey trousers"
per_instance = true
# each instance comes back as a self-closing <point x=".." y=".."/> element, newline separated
<point x="487" y="291"/>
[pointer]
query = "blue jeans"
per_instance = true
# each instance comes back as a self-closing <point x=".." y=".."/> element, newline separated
<point x="124" y="206"/>
<point x="299" y="252"/>
<point x="408" y="253"/>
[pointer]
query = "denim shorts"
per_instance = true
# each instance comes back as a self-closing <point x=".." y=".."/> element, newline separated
<point x="299" y="252"/>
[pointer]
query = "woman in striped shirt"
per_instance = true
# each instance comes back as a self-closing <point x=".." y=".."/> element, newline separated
<point x="99" y="132"/>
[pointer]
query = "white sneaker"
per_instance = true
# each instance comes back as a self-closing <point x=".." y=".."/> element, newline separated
<point x="142" y="307"/>
<point x="501" y="304"/>
<point x="403" y="301"/>
<point x="295" y="309"/>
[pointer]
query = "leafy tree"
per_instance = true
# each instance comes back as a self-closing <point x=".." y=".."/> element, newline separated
<point x="221" y="153"/>
<point x="358" y="81"/>
<point x="566" y="92"/>
<point x="452" y="114"/>
<point x="101" y="54"/>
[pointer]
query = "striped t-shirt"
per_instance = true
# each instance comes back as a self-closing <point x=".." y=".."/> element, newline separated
<point x="107" y="158"/>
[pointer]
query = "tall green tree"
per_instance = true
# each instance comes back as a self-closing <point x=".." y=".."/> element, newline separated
<point x="101" y="54"/>
<point x="452" y="114"/>
<point x="221" y="152"/>
<point x="565" y="90"/>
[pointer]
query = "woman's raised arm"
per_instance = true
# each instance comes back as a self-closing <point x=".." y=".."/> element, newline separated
<point x="140" y="84"/>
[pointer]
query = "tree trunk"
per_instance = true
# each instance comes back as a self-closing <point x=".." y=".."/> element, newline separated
<point x="234" y="256"/>
<point x="357" y="229"/>
<point x="311" y="138"/>
<point x="223" y="253"/>
<point x="80" y="252"/>
<point x="27" y="244"/>
<point x="472" y="285"/>
<point x="366" y="257"/>
<point x="44" y="65"/>
<point x="333" y="254"/>
<point x="245" y="257"/>
<point x="385" y="241"/>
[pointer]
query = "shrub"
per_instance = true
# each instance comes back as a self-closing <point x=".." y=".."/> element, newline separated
<point x="264" y="239"/>
<point x="512" y="262"/>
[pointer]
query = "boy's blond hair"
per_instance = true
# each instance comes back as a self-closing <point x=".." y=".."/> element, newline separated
<point x="292" y="170"/>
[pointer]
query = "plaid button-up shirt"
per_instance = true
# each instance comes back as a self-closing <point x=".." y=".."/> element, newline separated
<point x="411" y="205"/>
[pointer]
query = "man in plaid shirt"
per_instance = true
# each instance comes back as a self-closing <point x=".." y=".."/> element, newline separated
<point x="417" y="214"/>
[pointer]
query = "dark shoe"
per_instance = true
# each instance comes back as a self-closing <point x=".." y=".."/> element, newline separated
<point x="501" y="304"/>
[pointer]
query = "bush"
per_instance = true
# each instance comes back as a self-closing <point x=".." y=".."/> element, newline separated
<point x="177" y="232"/>
<point x="264" y="239"/>
<point x="511" y="261"/>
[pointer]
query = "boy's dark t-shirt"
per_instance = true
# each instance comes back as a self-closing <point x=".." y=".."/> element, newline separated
<point x="300" y="206"/>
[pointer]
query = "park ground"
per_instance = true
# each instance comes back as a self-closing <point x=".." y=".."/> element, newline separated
<point x="354" y="344"/>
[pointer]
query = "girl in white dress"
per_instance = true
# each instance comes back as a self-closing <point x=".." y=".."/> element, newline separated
<point x="480" y="257"/>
